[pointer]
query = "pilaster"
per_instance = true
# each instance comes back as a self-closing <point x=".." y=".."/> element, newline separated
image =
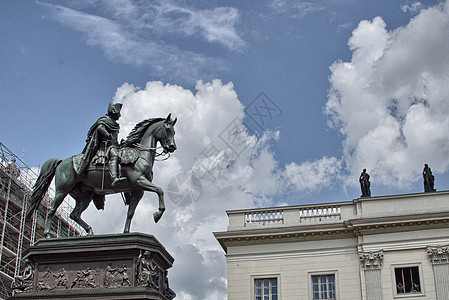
<point x="372" y="264"/>
<point x="439" y="256"/>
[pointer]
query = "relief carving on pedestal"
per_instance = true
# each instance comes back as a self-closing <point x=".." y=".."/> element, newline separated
<point x="116" y="274"/>
<point x="166" y="290"/>
<point x="84" y="279"/>
<point x="24" y="282"/>
<point x="116" y="277"/>
<point x="148" y="272"/>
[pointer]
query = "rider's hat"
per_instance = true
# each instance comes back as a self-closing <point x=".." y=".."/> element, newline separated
<point x="114" y="108"/>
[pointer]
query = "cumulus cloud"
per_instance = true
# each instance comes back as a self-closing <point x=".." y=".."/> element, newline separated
<point x="235" y="170"/>
<point x="325" y="172"/>
<point x="136" y="33"/>
<point x="390" y="102"/>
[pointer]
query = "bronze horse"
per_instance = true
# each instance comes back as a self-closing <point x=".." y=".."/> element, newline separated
<point x="93" y="185"/>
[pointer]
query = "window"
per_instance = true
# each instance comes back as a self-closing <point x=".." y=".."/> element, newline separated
<point x="323" y="287"/>
<point x="407" y="280"/>
<point x="266" y="288"/>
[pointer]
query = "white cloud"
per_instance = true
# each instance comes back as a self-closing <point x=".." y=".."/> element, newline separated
<point x="344" y="26"/>
<point x="390" y="101"/>
<point x="295" y="9"/>
<point x="411" y="6"/>
<point x="136" y="33"/>
<point x="217" y="25"/>
<point x="310" y="176"/>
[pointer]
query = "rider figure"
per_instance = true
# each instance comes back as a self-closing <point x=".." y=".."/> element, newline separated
<point x="104" y="135"/>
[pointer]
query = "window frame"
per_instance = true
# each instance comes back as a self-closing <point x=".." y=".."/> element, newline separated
<point x="422" y="293"/>
<point x="265" y="276"/>
<point x="321" y="273"/>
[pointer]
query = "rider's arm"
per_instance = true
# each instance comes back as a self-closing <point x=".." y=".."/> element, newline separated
<point x="102" y="130"/>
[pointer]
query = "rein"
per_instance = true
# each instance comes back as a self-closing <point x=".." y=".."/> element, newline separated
<point x="141" y="147"/>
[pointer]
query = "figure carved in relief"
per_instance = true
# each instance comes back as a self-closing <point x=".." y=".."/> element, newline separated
<point x="147" y="271"/>
<point x="24" y="282"/>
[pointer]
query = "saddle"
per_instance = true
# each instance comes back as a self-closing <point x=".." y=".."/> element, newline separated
<point x="100" y="160"/>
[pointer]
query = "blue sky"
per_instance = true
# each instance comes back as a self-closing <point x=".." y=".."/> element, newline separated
<point x="351" y="85"/>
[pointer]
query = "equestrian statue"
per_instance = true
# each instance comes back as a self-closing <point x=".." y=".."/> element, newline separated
<point x="106" y="167"/>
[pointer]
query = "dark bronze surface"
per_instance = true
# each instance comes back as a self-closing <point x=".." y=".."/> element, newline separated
<point x="84" y="176"/>
<point x="120" y="266"/>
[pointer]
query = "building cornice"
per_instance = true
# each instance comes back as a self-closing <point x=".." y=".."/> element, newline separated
<point x="283" y="235"/>
<point x="346" y="229"/>
<point x="391" y="224"/>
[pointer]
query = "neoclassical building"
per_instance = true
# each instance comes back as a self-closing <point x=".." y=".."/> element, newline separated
<point x="389" y="247"/>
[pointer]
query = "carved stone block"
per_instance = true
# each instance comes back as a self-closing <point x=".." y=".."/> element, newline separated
<point x="121" y="266"/>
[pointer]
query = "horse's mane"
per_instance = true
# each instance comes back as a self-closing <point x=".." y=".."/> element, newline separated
<point x="139" y="130"/>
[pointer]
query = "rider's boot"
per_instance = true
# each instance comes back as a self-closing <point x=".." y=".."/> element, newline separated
<point x="113" y="171"/>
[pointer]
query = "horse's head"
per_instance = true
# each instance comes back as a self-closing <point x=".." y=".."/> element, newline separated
<point x="150" y="131"/>
<point x="165" y="134"/>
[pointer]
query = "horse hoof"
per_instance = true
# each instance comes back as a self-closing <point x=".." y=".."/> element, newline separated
<point x="90" y="231"/>
<point x="157" y="216"/>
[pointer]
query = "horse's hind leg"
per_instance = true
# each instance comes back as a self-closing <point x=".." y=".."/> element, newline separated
<point x="64" y="183"/>
<point x="59" y="197"/>
<point x="82" y="202"/>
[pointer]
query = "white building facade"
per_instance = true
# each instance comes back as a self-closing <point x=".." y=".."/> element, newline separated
<point x="390" y="247"/>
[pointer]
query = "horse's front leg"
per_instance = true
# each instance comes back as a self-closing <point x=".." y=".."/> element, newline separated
<point x="132" y="199"/>
<point x="151" y="187"/>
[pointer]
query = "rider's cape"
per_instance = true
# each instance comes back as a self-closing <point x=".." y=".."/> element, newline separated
<point x="94" y="140"/>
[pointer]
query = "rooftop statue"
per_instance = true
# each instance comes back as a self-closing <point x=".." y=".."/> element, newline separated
<point x="365" y="184"/>
<point x="429" y="179"/>
<point x="95" y="172"/>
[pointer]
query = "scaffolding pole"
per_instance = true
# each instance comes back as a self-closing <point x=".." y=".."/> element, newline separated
<point x="33" y="228"/>
<point x="58" y="230"/>
<point x="21" y="234"/>
<point x="2" y="241"/>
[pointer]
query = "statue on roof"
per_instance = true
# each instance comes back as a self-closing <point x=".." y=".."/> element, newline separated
<point x="365" y="184"/>
<point x="429" y="179"/>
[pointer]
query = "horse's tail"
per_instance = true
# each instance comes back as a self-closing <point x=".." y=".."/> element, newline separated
<point x="42" y="183"/>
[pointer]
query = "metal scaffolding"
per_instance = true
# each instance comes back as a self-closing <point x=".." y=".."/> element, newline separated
<point x="17" y="234"/>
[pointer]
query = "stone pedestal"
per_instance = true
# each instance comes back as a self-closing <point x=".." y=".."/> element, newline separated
<point x="121" y="266"/>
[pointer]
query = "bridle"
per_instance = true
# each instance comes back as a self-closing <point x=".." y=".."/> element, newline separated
<point x="141" y="147"/>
